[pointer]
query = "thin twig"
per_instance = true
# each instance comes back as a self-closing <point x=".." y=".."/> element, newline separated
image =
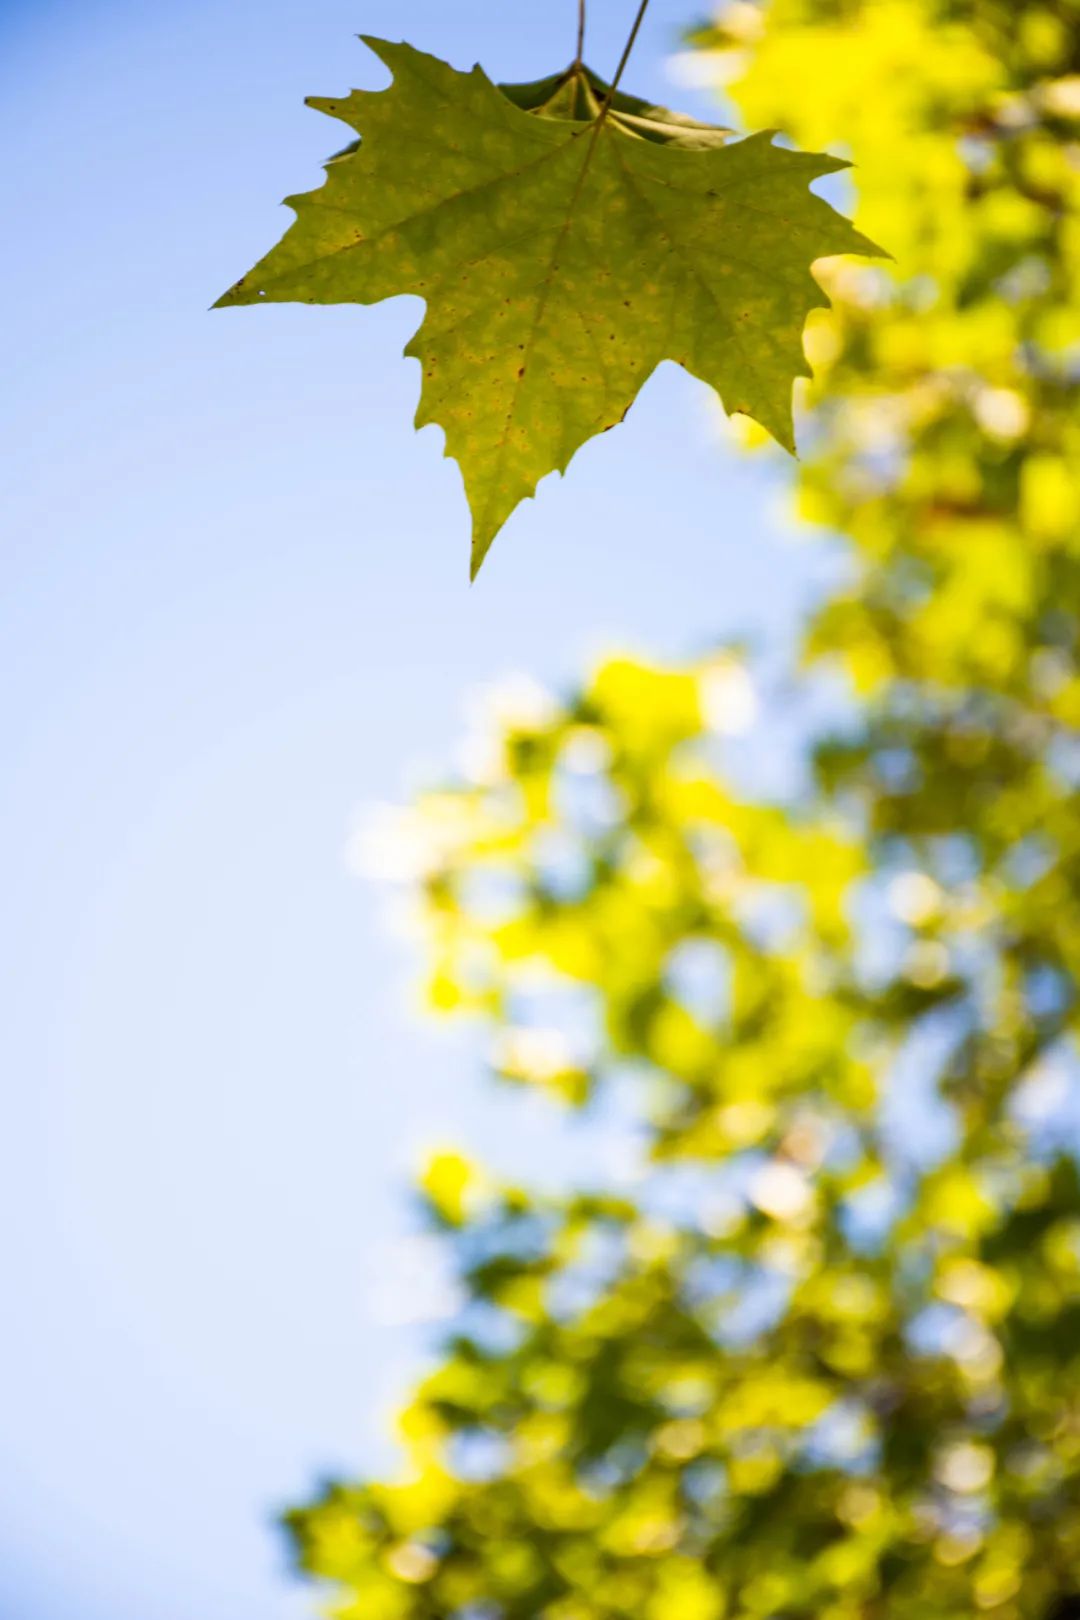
<point x="580" y="57"/>
<point x="610" y="97"/>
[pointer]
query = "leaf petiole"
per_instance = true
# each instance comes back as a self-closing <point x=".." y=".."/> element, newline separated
<point x="620" y="70"/>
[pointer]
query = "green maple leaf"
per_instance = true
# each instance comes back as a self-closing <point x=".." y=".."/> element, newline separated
<point x="563" y="252"/>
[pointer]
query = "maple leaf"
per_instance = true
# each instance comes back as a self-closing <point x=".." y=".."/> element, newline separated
<point x="564" y="249"/>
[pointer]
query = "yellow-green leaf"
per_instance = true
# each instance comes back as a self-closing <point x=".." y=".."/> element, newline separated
<point x="561" y="259"/>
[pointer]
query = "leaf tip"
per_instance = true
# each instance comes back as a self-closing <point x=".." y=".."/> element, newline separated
<point x="873" y="251"/>
<point x="384" y="49"/>
<point x="480" y="549"/>
<point x="783" y="430"/>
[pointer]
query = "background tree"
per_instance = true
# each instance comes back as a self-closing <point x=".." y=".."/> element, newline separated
<point x="823" y="1358"/>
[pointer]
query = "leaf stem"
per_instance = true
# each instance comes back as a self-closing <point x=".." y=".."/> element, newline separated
<point x="580" y="57"/>
<point x="610" y="97"/>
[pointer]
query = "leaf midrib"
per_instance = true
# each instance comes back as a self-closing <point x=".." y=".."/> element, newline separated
<point x="547" y="285"/>
<point x="420" y="213"/>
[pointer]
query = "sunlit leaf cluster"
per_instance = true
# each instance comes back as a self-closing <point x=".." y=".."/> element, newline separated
<point x="816" y="1356"/>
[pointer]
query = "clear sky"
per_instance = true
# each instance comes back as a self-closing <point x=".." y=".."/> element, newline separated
<point x="234" y="611"/>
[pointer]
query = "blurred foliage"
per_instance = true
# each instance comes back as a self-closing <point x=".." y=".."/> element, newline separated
<point x="818" y="1354"/>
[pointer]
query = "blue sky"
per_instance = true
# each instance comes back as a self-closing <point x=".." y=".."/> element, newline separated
<point x="234" y="611"/>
